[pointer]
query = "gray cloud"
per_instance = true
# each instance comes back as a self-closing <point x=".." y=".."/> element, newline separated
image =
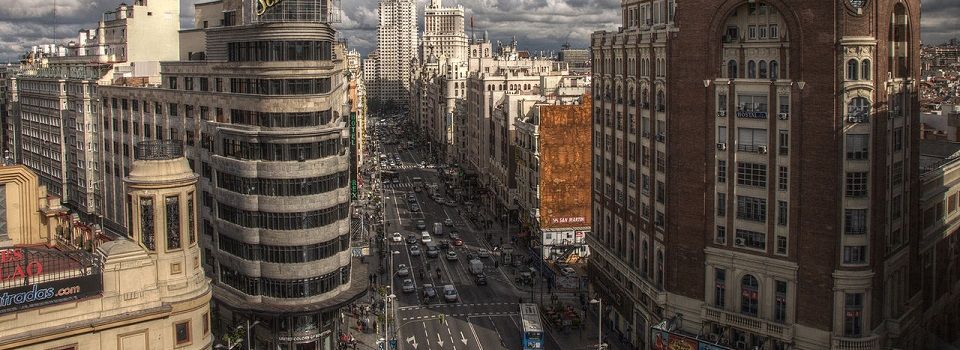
<point x="537" y="24"/>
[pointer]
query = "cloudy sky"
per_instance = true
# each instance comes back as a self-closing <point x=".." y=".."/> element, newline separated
<point x="546" y="23"/>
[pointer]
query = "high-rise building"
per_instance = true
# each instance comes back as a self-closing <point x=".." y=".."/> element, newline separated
<point x="53" y="125"/>
<point x="88" y="290"/>
<point x="263" y="118"/>
<point x="443" y="32"/>
<point x="755" y="173"/>
<point x="396" y="51"/>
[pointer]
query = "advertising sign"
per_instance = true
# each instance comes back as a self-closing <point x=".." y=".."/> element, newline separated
<point x="664" y="340"/>
<point x="47" y="293"/>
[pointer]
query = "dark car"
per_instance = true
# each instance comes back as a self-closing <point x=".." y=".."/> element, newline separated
<point x="412" y="239"/>
<point x="481" y="279"/>
<point x="429" y="292"/>
<point x="444" y="245"/>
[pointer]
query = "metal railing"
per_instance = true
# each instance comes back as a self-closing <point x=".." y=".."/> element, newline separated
<point x="158" y="150"/>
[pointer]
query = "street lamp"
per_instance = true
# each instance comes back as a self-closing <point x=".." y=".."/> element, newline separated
<point x="386" y="315"/>
<point x="599" y="303"/>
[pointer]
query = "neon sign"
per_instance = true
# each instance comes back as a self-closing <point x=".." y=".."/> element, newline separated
<point x="265" y="4"/>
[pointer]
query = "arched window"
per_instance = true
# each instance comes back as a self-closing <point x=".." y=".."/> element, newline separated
<point x="774" y="70"/>
<point x="659" y="268"/>
<point x="751" y="70"/>
<point x="732" y="69"/>
<point x="749" y="295"/>
<point x="865" y="70"/>
<point x="661" y="103"/>
<point x="645" y="97"/>
<point x="632" y="97"/>
<point x="859" y="108"/>
<point x="763" y="69"/>
<point x="852" y="68"/>
<point x="645" y="269"/>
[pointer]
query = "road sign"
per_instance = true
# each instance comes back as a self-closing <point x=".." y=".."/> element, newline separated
<point x="357" y="252"/>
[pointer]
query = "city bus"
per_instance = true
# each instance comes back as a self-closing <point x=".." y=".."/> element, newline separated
<point x="417" y="183"/>
<point x="532" y="332"/>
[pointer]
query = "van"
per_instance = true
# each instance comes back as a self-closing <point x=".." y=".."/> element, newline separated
<point x="432" y="250"/>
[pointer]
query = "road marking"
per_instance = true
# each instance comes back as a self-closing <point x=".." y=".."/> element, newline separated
<point x="425" y="334"/>
<point x="463" y="339"/>
<point x="439" y="341"/>
<point x="474" y="331"/>
<point x="413" y="341"/>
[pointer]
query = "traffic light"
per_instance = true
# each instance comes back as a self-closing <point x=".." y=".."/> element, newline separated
<point x="442" y="318"/>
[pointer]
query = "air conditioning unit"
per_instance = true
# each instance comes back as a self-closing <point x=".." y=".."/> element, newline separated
<point x="762" y="149"/>
<point x="783" y="116"/>
<point x="721" y="114"/>
<point x="721" y="146"/>
<point x="738" y="242"/>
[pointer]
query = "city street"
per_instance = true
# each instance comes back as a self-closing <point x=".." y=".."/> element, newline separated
<point x="484" y="316"/>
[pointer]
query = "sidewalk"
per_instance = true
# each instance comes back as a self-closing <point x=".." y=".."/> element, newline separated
<point x="586" y="337"/>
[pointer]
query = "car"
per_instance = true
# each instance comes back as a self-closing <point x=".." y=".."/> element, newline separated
<point x="411" y="239"/>
<point x="411" y="199"/>
<point x="448" y="222"/>
<point x="425" y="237"/>
<point x="450" y="294"/>
<point x="403" y="270"/>
<point x="480" y="279"/>
<point x="415" y="250"/>
<point x="421" y="225"/>
<point x="408" y="286"/>
<point x="568" y="271"/>
<point x="397" y="237"/>
<point x="450" y="203"/>
<point x="396" y="180"/>
<point x="470" y="256"/>
<point x="451" y="255"/>
<point x="444" y="245"/>
<point x="483" y="253"/>
<point x="429" y="292"/>
<point x="415" y="208"/>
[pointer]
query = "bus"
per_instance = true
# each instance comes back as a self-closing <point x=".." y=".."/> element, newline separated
<point x="417" y="184"/>
<point x="532" y="333"/>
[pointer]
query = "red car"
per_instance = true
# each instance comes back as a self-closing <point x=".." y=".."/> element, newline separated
<point x="457" y="242"/>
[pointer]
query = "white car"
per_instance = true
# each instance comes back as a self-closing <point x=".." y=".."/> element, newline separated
<point x="450" y="293"/>
<point x="403" y="270"/>
<point x="451" y="255"/>
<point x="483" y="253"/>
<point x="408" y="286"/>
<point x="425" y="237"/>
<point x="397" y="237"/>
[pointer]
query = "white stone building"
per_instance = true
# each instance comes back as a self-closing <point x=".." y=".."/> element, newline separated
<point x="396" y="49"/>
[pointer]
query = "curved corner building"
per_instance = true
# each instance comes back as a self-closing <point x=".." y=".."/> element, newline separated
<point x="258" y="101"/>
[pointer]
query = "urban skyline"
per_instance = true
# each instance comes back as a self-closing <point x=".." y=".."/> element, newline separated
<point x="26" y="23"/>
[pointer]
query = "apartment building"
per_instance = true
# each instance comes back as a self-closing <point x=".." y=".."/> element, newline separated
<point x="443" y="32"/>
<point x="553" y="143"/>
<point x="396" y="51"/>
<point x="52" y="126"/>
<point x="764" y="187"/>
<point x="264" y="119"/>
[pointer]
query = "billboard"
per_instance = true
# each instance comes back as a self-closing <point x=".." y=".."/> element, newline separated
<point x="35" y="277"/>
<point x="667" y="340"/>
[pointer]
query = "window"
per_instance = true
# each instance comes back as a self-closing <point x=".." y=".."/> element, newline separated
<point x="751" y="32"/>
<point x="762" y="66"/>
<point x="898" y="139"/>
<point x="751" y="239"/>
<point x="751" y="174"/>
<point x="659" y="268"/>
<point x="855" y="221"/>
<point x="858" y="110"/>
<point x="751" y="65"/>
<point x="732" y="69"/>
<point x="782" y="178"/>
<point x="853" y="69"/>
<point x="774" y="32"/>
<point x="751" y="208"/>
<point x="857" y="146"/>
<point x="752" y="106"/>
<point x="897" y="176"/>
<point x="856" y="184"/>
<point x="855" y="255"/>
<point x="721" y="171"/>
<point x="896" y="206"/>
<point x="172" y="204"/>
<point x="782" y="209"/>
<point x="147" y="236"/>
<point x="721" y="204"/>
<point x="188" y="83"/>
<point x="853" y="314"/>
<point x="865" y="70"/>
<point x="781" y="245"/>
<point x="783" y="142"/>
<point x="191" y="220"/>
<point x="774" y="70"/>
<point x="172" y="83"/>
<point x="205" y="323"/>
<point x="720" y="288"/>
<point x="750" y="139"/>
<point x="952" y="203"/>
<point x="749" y="296"/>
<point x="204" y="84"/>
<point x="780" y="302"/>
<point x="182" y="332"/>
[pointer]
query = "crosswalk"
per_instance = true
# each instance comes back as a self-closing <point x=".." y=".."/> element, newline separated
<point x="398" y="185"/>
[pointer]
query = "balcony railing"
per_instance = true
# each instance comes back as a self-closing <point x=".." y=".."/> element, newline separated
<point x="158" y="150"/>
<point x="858" y="118"/>
<point x="749" y="323"/>
<point x="865" y="343"/>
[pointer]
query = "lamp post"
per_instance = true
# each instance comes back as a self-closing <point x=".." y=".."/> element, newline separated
<point x="387" y="300"/>
<point x="599" y="303"/>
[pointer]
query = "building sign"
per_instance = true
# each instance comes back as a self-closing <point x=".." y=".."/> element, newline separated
<point x="752" y="114"/>
<point x="32" y="277"/>
<point x="263" y="5"/>
<point x="303" y="338"/>
<point x="573" y="220"/>
<point x="48" y="293"/>
<point x="671" y="340"/>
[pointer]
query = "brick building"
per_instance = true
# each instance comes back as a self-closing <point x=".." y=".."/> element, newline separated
<point x="755" y="172"/>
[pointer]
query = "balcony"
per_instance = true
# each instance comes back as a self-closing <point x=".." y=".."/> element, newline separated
<point x="858" y="118"/>
<point x="749" y="323"/>
<point x="865" y="343"/>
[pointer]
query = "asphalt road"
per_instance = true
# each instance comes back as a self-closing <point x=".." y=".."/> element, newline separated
<point x="484" y="317"/>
